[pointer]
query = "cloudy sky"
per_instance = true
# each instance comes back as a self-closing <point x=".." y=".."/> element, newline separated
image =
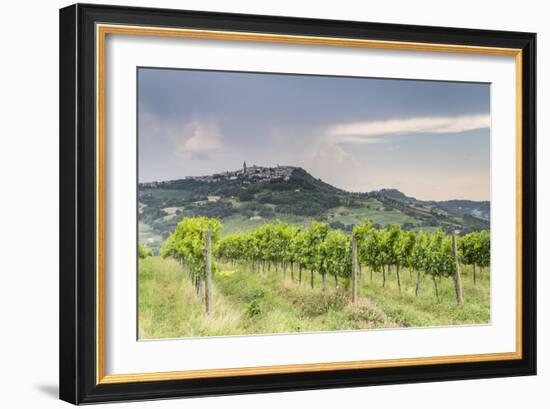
<point x="428" y="139"/>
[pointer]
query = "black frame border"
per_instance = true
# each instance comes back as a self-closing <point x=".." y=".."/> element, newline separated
<point x="78" y="204"/>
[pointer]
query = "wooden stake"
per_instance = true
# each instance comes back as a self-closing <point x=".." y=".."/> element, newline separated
<point x="436" y="289"/>
<point x="353" y="269"/>
<point x="398" y="277"/>
<point x="457" y="279"/>
<point x="208" y="242"/>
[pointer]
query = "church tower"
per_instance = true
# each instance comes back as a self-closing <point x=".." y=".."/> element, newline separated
<point x="244" y="167"/>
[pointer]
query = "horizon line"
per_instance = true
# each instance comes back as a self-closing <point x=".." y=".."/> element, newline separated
<point x="300" y="167"/>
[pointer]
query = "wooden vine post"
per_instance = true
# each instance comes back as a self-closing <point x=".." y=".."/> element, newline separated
<point x="353" y="268"/>
<point x="457" y="279"/>
<point x="208" y="271"/>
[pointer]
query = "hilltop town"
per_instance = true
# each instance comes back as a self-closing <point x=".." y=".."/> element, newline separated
<point x="247" y="174"/>
<point x="251" y="173"/>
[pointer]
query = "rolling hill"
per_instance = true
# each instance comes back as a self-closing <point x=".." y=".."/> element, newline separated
<point x="248" y="197"/>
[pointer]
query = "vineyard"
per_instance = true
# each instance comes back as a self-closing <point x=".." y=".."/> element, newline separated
<point x="281" y="277"/>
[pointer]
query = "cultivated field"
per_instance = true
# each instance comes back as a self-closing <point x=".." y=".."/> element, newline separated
<point x="246" y="302"/>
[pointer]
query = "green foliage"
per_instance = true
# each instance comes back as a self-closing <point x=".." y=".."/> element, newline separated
<point x="144" y="252"/>
<point x="320" y="249"/>
<point x="419" y="259"/>
<point x="254" y="300"/>
<point x="440" y="257"/>
<point x="475" y="248"/>
<point x="313" y="242"/>
<point x="187" y="242"/>
<point x="402" y="247"/>
<point x="297" y="247"/>
<point x="336" y="254"/>
<point x="374" y="250"/>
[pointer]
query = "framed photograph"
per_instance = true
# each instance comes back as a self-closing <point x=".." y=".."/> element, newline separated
<point x="257" y="204"/>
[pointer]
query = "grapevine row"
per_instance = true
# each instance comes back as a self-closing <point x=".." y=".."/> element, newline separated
<point x="319" y="249"/>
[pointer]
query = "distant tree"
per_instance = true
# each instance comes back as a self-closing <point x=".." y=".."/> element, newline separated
<point x="245" y="196"/>
<point x="337" y="225"/>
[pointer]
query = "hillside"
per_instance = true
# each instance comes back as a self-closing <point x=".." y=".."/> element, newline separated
<point x="248" y="197"/>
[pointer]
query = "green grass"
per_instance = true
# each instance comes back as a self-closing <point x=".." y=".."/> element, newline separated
<point x="370" y="212"/>
<point x="246" y="302"/>
<point x="344" y="215"/>
<point x="237" y="223"/>
<point x="407" y="310"/>
<point x="169" y="307"/>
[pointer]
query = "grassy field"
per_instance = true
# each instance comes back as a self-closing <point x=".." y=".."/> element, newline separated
<point x="238" y="224"/>
<point x="372" y="213"/>
<point x="246" y="302"/>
